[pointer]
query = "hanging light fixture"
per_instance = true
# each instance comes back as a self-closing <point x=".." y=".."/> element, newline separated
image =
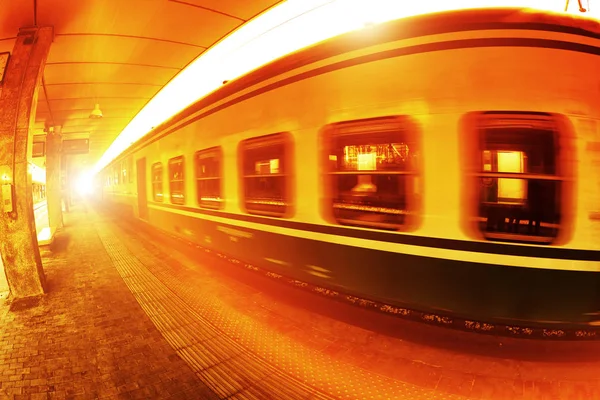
<point x="96" y="112"/>
<point x="581" y="8"/>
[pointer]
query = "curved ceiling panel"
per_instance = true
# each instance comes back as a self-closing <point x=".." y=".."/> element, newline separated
<point x="158" y="19"/>
<point x="112" y="48"/>
<point x="116" y="53"/>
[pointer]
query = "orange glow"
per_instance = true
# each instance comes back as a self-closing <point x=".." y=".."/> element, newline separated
<point x="367" y="161"/>
<point x="292" y="25"/>
<point x="513" y="189"/>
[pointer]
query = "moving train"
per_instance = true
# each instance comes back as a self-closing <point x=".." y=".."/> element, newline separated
<point x="446" y="163"/>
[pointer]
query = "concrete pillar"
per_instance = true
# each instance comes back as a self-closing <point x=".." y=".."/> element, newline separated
<point x="53" y="189"/>
<point x="18" y="102"/>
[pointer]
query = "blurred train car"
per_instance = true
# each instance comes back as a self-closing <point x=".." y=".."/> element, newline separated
<point x="447" y="163"/>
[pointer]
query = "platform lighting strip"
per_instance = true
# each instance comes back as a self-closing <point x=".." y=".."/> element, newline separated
<point x="290" y="26"/>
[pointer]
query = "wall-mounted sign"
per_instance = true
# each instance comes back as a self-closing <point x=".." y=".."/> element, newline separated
<point x="39" y="149"/>
<point x="76" y="146"/>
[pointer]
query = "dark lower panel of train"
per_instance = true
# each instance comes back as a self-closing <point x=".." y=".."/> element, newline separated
<point x="483" y="292"/>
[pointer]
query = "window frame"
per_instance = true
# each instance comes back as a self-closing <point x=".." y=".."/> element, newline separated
<point x="130" y="168"/>
<point x="122" y="171"/>
<point x="153" y="183"/>
<point x="286" y="139"/>
<point x="170" y="162"/>
<point x="365" y="126"/>
<point x="220" y="204"/>
<point x="116" y="173"/>
<point x="473" y="126"/>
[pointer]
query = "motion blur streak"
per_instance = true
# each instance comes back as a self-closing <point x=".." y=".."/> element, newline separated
<point x="292" y="25"/>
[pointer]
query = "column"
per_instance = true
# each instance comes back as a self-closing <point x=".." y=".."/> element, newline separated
<point x="18" y="102"/>
<point x="53" y="195"/>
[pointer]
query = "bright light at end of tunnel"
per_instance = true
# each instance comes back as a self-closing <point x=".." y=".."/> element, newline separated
<point x="84" y="184"/>
<point x="290" y="26"/>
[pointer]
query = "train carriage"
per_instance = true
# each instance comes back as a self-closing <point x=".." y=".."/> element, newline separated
<point x="446" y="163"/>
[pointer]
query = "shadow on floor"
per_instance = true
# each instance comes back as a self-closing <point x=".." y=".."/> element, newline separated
<point x="24" y="303"/>
<point x="60" y="243"/>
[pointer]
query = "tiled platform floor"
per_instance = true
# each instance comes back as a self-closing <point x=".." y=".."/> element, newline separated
<point x="244" y="336"/>
<point x="88" y="337"/>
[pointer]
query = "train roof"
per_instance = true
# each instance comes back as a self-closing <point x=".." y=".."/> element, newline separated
<point x="473" y="18"/>
<point x="399" y="29"/>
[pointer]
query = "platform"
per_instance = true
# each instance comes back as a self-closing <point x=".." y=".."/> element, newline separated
<point x="132" y="313"/>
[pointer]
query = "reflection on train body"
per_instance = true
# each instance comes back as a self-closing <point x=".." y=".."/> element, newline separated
<point x="446" y="163"/>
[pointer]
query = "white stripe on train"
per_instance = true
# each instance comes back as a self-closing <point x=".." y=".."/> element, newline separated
<point x="457" y="255"/>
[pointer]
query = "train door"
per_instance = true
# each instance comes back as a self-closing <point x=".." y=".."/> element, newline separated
<point x="141" y="188"/>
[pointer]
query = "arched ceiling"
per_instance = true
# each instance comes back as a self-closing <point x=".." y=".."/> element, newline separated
<point x="117" y="53"/>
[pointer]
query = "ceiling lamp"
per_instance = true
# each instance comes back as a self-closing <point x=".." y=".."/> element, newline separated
<point x="96" y="112"/>
<point x="581" y="9"/>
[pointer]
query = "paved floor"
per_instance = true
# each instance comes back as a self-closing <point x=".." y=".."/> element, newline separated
<point x="87" y="338"/>
<point x="132" y="313"/>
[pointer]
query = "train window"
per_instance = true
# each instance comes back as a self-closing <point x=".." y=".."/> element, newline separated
<point x="124" y="171"/>
<point x="373" y="168"/>
<point x="115" y="170"/>
<point x="208" y="177"/>
<point x="176" y="180"/>
<point x="130" y="168"/>
<point x="157" y="182"/>
<point x="266" y="170"/>
<point x="518" y="181"/>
